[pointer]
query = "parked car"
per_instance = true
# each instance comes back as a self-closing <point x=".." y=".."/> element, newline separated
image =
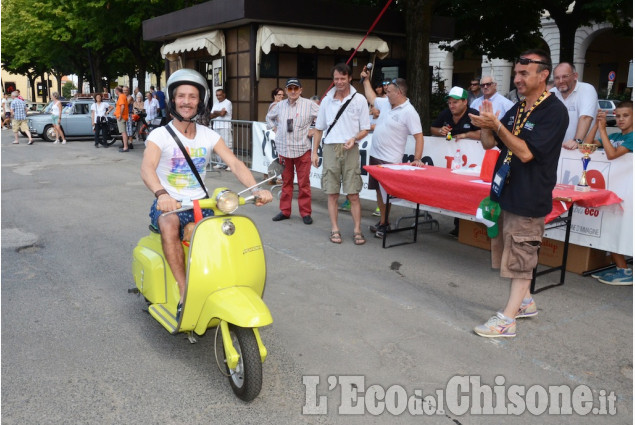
<point x="34" y="107"/>
<point x="76" y="120"/>
<point x="608" y="106"/>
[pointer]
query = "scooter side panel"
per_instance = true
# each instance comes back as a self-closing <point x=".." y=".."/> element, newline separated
<point x="239" y="305"/>
<point x="149" y="269"/>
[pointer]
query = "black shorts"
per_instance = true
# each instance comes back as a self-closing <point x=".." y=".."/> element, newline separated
<point x="372" y="183"/>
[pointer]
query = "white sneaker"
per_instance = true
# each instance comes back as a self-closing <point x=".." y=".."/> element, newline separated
<point x="63" y="142"/>
<point x="228" y="169"/>
<point x="56" y="142"/>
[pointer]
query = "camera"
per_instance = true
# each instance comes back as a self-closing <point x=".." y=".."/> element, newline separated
<point x="290" y="125"/>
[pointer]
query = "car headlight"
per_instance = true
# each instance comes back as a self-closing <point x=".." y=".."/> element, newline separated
<point x="227" y="201"/>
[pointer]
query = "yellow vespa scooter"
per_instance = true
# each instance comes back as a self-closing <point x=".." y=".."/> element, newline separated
<point x="225" y="282"/>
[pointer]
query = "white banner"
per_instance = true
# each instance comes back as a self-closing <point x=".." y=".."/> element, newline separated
<point x="609" y="228"/>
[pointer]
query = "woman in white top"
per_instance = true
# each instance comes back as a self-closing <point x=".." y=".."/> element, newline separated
<point x="99" y="115"/>
<point x="56" y="118"/>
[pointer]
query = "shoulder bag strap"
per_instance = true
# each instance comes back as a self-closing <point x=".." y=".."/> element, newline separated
<point x="339" y="114"/>
<point x="187" y="158"/>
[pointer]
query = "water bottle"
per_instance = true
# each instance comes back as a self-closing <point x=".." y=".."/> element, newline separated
<point x="457" y="162"/>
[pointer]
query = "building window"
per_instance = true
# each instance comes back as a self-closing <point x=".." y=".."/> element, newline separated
<point x="307" y="65"/>
<point x="269" y="65"/>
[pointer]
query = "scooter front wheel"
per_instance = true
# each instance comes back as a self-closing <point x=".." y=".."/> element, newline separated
<point x="246" y="378"/>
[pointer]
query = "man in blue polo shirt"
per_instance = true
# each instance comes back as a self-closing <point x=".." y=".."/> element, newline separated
<point x="160" y="96"/>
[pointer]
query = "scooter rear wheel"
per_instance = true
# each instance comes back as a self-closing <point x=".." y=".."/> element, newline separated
<point x="246" y="379"/>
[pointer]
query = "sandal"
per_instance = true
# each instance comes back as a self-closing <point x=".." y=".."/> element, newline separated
<point x="358" y="238"/>
<point x="336" y="237"/>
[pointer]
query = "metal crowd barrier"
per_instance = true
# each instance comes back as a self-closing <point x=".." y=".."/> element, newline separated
<point x="241" y="136"/>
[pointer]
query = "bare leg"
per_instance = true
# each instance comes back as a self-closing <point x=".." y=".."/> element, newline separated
<point x="382" y="207"/>
<point x="173" y="249"/>
<point x="619" y="260"/>
<point x="332" y="206"/>
<point x="356" y="211"/>
<point x="519" y="290"/>
<point x="124" y="137"/>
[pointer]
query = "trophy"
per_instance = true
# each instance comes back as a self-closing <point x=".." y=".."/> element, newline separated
<point x="586" y="149"/>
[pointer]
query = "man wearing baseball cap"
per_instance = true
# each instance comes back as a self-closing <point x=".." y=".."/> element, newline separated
<point x="455" y="119"/>
<point x="291" y="120"/>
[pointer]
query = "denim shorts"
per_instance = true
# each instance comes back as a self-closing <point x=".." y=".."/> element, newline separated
<point x="184" y="216"/>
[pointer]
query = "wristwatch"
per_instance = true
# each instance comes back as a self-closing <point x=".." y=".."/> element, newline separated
<point x="579" y="141"/>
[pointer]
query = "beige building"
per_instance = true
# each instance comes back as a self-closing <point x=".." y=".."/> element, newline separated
<point x="30" y="92"/>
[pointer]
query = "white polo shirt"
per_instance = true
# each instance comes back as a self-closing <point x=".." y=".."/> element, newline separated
<point x="499" y="103"/>
<point x="583" y="100"/>
<point x="392" y="129"/>
<point x="354" y="118"/>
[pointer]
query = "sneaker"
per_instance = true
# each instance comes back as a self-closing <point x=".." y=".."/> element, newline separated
<point x="381" y="230"/>
<point x="345" y="206"/>
<point x="227" y="169"/>
<point x="63" y="142"/>
<point x="377" y="213"/>
<point x="496" y="327"/>
<point x="527" y="310"/>
<point x="218" y="167"/>
<point x="56" y="142"/>
<point x="621" y="277"/>
<point x="373" y="227"/>
<point x="599" y="274"/>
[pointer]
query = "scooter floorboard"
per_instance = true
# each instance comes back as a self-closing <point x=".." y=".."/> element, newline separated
<point x="164" y="316"/>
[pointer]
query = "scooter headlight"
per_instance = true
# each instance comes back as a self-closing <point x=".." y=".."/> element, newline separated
<point x="227" y="201"/>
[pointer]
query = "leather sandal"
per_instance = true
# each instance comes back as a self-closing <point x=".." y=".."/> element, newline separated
<point x="359" y="238"/>
<point x="336" y="237"/>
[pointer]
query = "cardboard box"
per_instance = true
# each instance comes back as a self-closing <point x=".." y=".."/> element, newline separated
<point x="474" y="234"/>
<point x="579" y="259"/>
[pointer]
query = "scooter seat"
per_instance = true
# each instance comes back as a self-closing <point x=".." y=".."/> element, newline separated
<point x="153" y="229"/>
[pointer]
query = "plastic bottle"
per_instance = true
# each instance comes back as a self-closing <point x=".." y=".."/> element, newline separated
<point x="457" y="162"/>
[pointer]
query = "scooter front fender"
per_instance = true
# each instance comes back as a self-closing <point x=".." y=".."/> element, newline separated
<point x="238" y="305"/>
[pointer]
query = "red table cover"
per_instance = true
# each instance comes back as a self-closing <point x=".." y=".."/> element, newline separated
<point x="439" y="187"/>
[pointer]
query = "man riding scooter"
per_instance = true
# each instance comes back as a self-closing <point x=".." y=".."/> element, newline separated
<point x="167" y="172"/>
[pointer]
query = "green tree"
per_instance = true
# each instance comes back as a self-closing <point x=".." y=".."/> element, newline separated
<point x="67" y="89"/>
<point x="502" y="32"/>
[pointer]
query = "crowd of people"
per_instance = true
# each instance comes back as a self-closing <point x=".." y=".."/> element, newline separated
<point x="562" y="116"/>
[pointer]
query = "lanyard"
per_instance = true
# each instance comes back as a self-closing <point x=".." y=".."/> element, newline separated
<point x="520" y="120"/>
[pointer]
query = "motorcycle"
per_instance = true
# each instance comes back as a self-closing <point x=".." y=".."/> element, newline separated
<point x="225" y="282"/>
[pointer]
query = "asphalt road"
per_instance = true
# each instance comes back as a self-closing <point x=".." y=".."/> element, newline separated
<point x="78" y="349"/>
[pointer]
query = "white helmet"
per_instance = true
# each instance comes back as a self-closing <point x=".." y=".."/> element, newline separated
<point x="186" y="76"/>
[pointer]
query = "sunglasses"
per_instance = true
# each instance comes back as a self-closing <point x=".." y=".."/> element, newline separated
<point x="527" y="61"/>
<point x="394" y="83"/>
<point x="293" y="88"/>
<point x="486" y="85"/>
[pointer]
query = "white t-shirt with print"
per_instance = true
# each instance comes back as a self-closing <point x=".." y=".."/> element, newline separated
<point x="173" y="170"/>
